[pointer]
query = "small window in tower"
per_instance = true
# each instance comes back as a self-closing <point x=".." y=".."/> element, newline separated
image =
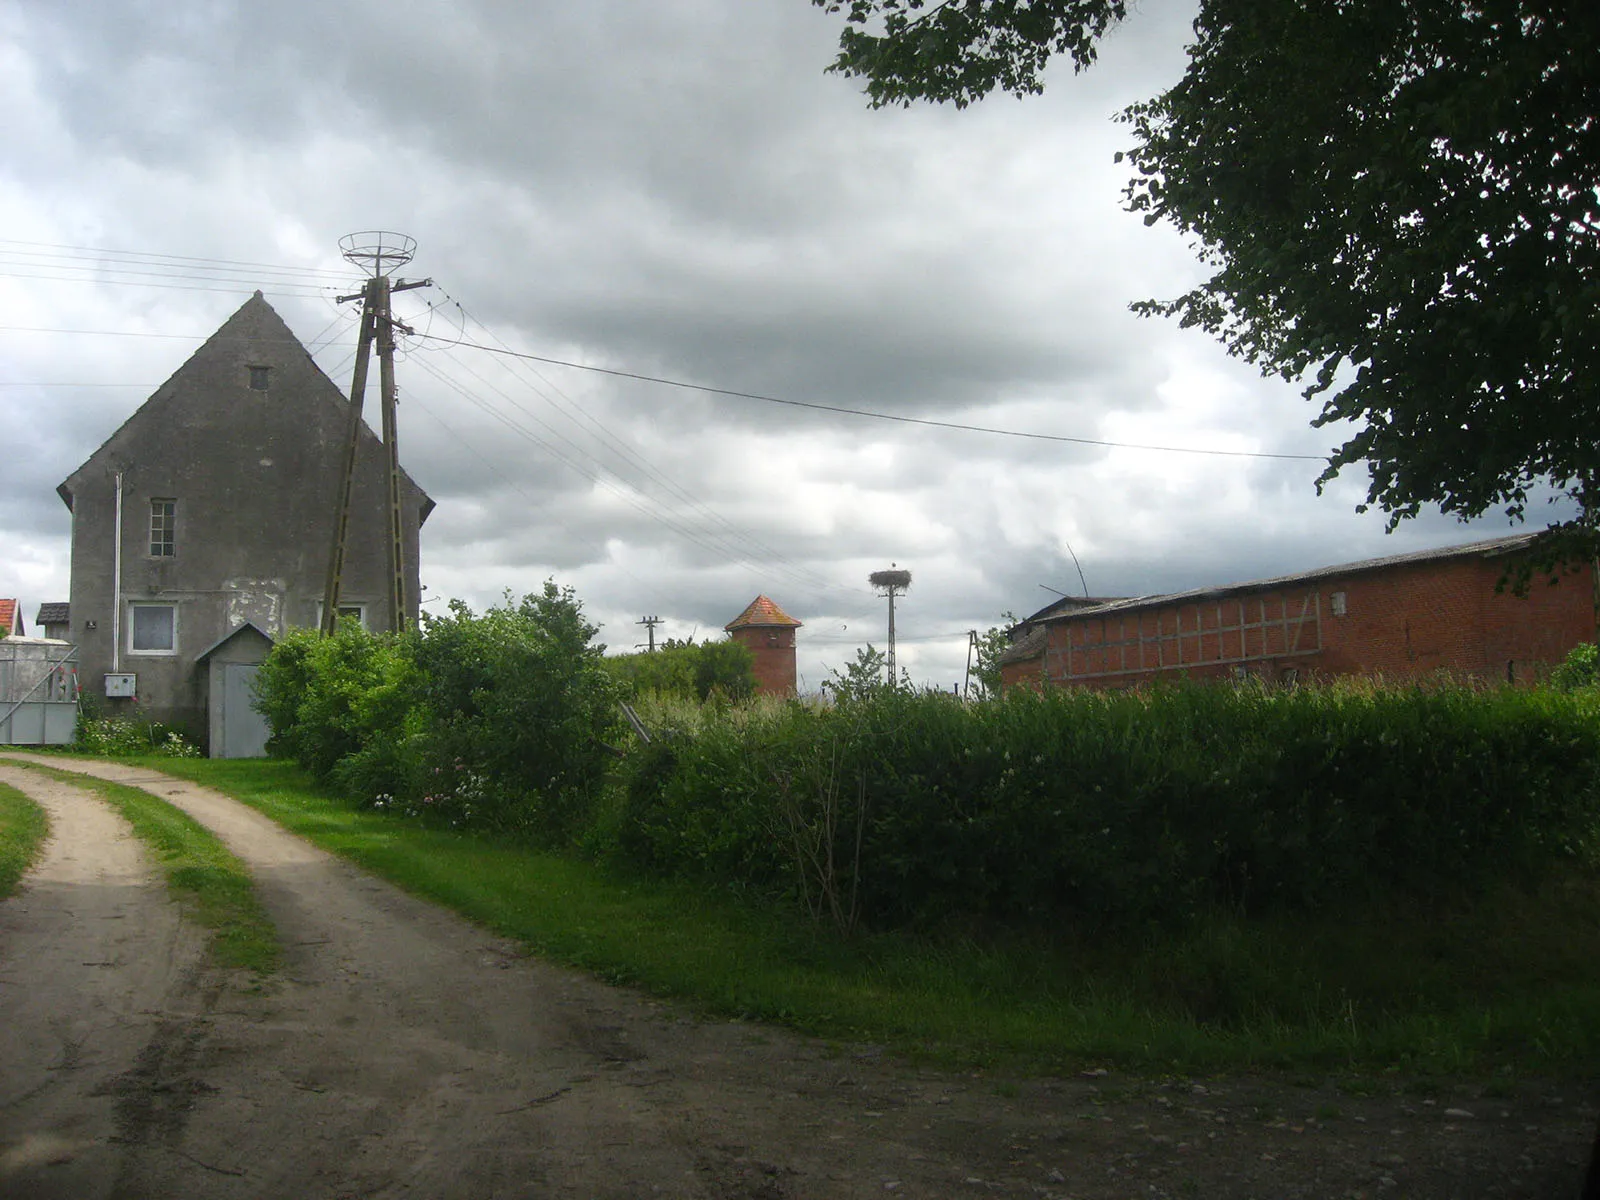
<point x="163" y="528"/>
<point x="260" y="378"/>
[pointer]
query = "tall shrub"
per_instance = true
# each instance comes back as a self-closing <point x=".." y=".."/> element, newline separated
<point x="325" y="699"/>
<point x="909" y="808"/>
<point x="687" y="670"/>
<point x="522" y="711"/>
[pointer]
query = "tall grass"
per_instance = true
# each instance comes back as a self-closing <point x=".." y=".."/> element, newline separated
<point x="1504" y="982"/>
<point x="23" y="829"/>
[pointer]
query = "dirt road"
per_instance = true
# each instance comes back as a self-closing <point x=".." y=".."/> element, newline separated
<point x="403" y="1053"/>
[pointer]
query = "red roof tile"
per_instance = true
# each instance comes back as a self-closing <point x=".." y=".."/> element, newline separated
<point x="11" y="617"/>
<point x="761" y="612"/>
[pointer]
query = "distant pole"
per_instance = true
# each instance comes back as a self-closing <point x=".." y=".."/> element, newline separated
<point x="650" y="624"/>
<point x="966" y="679"/>
<point x="894" y="582"/>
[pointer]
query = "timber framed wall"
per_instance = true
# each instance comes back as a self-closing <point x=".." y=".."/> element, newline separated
<point x="1399" y="619"/>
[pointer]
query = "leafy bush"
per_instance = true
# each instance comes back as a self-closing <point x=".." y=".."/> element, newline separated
<point x="726" y="668"/>
<point x="328" y="699"/>
<point x="496" y="721"/>
<point x="1580" y="669"/>
<point x="117" y="737"/>
<point x="905" y="808"/>
<point x="521" y="712"/>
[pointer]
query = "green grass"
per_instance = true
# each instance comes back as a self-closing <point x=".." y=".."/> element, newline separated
<point x="23" y="828"/>
<point x="200" y="872"/>
<point x="1501" y="987"/>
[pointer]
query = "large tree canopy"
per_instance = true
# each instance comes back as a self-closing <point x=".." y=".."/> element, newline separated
<point x="1400" y="200"/>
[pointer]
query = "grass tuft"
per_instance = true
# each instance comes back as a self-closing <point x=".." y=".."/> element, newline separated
<point x="23" y="829"/>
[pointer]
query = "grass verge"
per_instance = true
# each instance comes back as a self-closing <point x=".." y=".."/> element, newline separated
<point x="199" y="869"/>
<point x="23" y="828"/>
<point x="1509" y="986"/>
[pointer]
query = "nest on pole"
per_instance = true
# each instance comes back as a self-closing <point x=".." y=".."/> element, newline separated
<point x="898" y="580"/>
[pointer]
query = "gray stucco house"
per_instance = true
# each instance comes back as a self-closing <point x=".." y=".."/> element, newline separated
<point x="228" y="480"/>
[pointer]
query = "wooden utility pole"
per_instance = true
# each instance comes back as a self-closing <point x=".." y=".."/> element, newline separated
<point x="379" y="252"/>
<point x="352" y="439"/>
<point x="391" y="443"/>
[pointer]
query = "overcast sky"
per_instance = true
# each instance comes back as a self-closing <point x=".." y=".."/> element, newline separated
<point x="675" y="189"/>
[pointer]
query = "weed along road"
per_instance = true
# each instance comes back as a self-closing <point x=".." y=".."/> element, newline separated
<point x="401" y="1052"/>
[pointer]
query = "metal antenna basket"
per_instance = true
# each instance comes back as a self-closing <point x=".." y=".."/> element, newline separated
<point x="378" y="251"/>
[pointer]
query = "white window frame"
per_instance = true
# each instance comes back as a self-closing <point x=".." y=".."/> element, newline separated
<point x="133" y="606"/>
<point x="344" y="606"/>
<point x="168" y="526"/>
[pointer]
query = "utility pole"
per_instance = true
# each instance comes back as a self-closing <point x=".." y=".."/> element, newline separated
<point x="894" y="582"/>
<point x="650" y="624"/>
<point x="972" y="646"/>
<point x="378" y="252"/>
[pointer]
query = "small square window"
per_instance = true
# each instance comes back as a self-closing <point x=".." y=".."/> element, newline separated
<point x="356" y="611"/>
<point x="260" y="378"/>
<point x="153" y="628"/>
<point x="1338" y="604"/>
<point x="163" y="528"/>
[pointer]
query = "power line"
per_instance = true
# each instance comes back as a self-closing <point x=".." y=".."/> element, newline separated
<point x="153" y="258"/>
<point x="736" y="394"/>
<point x="721" y="527"/>
<point x="879" y="416"/>
<point x="705" y="539"/>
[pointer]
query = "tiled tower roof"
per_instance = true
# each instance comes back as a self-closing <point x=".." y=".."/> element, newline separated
<point x="762" y="611"/>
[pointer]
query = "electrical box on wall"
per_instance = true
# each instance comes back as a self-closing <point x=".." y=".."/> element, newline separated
<point x="120" y="687"/>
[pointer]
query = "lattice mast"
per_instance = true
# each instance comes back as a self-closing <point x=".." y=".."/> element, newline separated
<point x="893" y="582"/>
<point x="378" y="252"/>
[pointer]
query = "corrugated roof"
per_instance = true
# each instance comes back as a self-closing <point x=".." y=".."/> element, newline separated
<point x="1491" y="548"/>
<point x="762" y="611"/>
<point x="1028" y="647"/>
<point x="55" y="613"/>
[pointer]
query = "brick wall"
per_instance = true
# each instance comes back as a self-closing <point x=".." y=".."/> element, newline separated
<point x="1401" y="621"/>
<point x="774" y="650"/>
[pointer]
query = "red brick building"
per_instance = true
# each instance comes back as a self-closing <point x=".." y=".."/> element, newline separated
<point x="769" y="632"/>
<point x="1410" y="615"/>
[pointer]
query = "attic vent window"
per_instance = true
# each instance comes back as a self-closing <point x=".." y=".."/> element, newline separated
<point x="260" y="378"/>
<point x="163" y="528"/>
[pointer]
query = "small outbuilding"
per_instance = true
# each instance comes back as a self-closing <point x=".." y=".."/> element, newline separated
<point x="54" y="620"/>
<point x="235" y="728"/>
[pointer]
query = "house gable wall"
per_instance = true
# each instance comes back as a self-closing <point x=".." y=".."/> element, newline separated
<point x="254" y="474"/>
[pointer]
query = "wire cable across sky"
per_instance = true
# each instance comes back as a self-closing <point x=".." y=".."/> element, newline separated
<point x="869" y="413"/>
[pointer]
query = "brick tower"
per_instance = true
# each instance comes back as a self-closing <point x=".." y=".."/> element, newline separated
<point x="769" y="632"/>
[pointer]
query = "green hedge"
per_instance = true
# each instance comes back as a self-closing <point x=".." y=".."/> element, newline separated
<point x="908" y="808"/>
<point x="500" y="721"/>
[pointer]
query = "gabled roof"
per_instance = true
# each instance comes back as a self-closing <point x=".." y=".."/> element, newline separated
<point x="257" y="326"/>
<point x="762" y="612"/>
<point x="11" y="617"/>
<point x="251" y="626"/>
<point x="1490" y="548"/>
<point x="56" y="612"/>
